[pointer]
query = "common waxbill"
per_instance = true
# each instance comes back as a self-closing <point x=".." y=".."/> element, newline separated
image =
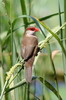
<point x="29" y="49"/>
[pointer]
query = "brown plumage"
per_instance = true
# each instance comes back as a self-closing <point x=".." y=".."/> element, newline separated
<point x="29" y="48"/>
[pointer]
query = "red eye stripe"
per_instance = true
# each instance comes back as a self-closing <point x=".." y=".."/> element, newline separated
<point x="33" y="29"/>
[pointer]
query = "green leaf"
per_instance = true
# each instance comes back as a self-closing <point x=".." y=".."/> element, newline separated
<point x="64" y="36"/>
<point x="24" y="12"/>
<point x="48" y="85"/>
<point x="33" y="18"/>
<point x="55" y="36"/>
<point x="47" y="17"/>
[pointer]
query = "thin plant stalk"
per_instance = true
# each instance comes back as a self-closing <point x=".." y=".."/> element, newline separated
<point x="24" y="12"/>
<point x="65" y="40"/>
<point x="2" y="93"/>
<point x="28" y="93"/>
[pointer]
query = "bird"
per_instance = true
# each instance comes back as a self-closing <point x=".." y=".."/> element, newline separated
<point x="29" y="49"/>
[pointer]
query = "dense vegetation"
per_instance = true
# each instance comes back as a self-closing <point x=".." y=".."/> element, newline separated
<point x="49" y="68"/>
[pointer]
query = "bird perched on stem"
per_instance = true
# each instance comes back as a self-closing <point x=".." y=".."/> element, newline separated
<point x="29" y="49"/>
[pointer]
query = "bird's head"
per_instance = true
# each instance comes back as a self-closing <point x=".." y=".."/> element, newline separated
<point x="31" y="30"/>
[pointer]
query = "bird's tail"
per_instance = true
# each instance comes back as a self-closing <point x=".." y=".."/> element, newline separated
<point x="28" y="74"/>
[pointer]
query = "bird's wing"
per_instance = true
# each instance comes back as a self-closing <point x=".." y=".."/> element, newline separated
<point x="27" y="50"/>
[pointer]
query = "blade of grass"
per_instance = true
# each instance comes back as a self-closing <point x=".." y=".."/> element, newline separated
<point x="28" y="89"/>
<point x="2" y="93"/>
<point x="53" y="66"/>
<point x="24" y="12"/>
<point x="65" y="40"/>
<point x="9" y="74"/>
<point x="41" y="19"/>
<point x="60" y="20"/>
<point x="21" y="83"/>
<point x="14" y="77"/>
<point x="48" y="85"/>
<point x="25" y="92"/>
<point x="55" y="36"/>
<point x="43" y="43"/>
<point x="47" y="17"/>
<point x="55" y="76"/>
<point x="2" y="81"/>
<point x="34" y="19"/>
<point x="29" y="1"/>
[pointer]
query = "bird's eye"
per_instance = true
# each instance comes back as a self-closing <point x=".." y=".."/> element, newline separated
<point x="32" y="29"/>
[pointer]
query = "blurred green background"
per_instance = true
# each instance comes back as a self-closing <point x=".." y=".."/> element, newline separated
<point x="10" y="10"/>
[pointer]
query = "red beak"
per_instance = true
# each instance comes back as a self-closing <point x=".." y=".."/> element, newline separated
<point x="36" y="29"/>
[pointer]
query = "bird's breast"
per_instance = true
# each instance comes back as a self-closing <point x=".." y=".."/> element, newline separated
<point x="30" y="40"/>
